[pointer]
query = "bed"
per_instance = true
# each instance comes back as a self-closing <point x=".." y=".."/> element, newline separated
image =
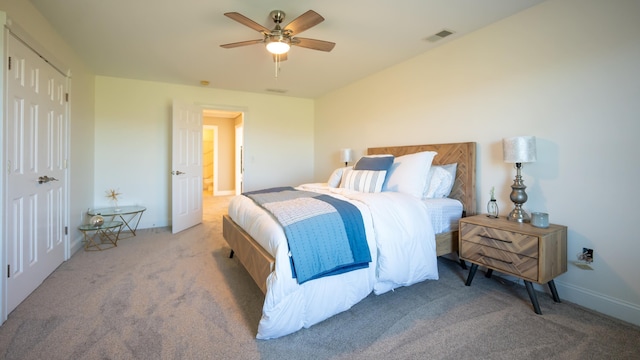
<point x="290" y="306"/>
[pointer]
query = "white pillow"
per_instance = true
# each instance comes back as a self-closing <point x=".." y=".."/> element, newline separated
<point x="363" y="180"/>
<point x="441" y="180"/>
<point x="408" y="174"/>
<point x="336" y="177"/>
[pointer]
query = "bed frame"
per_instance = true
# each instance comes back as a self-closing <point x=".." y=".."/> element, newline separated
<point x="259" y="263"/>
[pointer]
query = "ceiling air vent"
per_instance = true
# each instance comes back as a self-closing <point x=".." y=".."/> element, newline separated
<point x="439" y="35"/>
<point x="278" y="91"/>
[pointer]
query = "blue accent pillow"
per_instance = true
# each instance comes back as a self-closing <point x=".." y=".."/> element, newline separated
<point x="375" y="163"/>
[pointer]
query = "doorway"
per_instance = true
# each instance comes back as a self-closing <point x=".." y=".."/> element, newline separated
<point x="221" y="158"/>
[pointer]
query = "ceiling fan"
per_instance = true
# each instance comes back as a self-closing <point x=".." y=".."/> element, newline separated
<point x="279" y="40"/>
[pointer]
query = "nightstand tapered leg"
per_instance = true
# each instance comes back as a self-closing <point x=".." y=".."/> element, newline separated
<point x="463" y="264"/>
<point x="533" y="297"/>
<point x="554" y="291"/>
<point x="472" y="273"/>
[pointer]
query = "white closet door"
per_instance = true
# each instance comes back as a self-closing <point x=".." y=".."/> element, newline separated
<point x="36" y="153"/>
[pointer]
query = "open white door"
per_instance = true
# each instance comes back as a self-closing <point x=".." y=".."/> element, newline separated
<point x="186" y="167"/>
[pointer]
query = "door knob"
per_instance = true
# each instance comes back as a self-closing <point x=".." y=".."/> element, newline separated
<point x="177" y="172"/>
<point x="46" y="179"/>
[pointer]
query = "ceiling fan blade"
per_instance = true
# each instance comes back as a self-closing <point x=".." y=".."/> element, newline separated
<point x="241" y="43"/>
<point x="283" y="57"/>
<point x="304" y="22"/>
<point x="313" y="44"/>
<point x="247" y="22"/>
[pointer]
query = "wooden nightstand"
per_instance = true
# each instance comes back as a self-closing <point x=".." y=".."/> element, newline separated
<point x="519" y="249"/>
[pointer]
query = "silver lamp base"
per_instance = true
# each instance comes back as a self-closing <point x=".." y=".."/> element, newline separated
<point x="519" y="215"/>
<point x="519" y="197"/>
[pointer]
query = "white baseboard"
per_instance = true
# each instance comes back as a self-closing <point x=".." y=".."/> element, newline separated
<point x="601" y="303"/>
<point x="76" y="245"/>
<point x="224" y="193"/>
<point x="607" y="305"/>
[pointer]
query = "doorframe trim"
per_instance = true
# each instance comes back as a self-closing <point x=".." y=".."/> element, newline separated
<point x="3" y="158"/>
<point x="24" y="37"/>
<point x="245" y="114"/>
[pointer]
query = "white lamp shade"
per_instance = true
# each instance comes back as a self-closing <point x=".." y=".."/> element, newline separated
<point x="345" y="155"/>
<point x="519" y="149"/>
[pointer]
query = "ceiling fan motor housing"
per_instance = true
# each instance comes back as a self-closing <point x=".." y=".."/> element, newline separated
<point x="277" y="16"/>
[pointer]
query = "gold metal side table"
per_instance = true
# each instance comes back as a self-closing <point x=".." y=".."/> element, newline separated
<point x="102" y="237"/>
<point x="129" y="215"/>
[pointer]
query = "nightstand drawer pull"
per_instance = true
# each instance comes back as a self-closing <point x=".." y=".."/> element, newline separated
<point x="490" y="238"/>
<point x="492" y="258"/>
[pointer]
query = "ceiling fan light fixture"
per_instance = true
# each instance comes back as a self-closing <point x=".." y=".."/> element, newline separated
<point x="278" y="45"/>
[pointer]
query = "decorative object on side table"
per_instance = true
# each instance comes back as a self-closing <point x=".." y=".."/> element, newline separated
<point x="540" y="220"/>
<point x="518" y="150"/>
<point x="492" y="205"/>
<point x="346" y="156"/>
<point x="113" y="195"/>
<point x="96" y="220"/>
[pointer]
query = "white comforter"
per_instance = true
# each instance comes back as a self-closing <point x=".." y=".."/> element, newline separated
<point x="403" y="252"/>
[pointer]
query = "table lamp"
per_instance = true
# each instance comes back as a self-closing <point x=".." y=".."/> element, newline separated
<point x="518" y="150"/>
<point x="345" y="156"/>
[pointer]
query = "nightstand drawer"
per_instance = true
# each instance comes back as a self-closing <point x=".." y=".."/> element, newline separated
<point x="518" y="243"/>
<point x="508" y="262"/>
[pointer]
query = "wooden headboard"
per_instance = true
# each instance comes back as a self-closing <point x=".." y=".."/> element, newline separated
<point x="464" y="154"/>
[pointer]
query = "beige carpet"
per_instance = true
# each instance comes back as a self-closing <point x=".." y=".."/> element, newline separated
<point x="164" y="296"/>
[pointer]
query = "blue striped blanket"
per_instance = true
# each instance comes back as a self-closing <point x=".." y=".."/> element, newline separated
<point x="326" y="235"/>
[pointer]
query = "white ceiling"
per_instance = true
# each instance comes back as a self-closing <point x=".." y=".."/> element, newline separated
<point x="178" y="41"/>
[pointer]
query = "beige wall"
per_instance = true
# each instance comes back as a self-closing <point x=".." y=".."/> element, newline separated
<point x="133" y="140"/>
<point x="565" y="71"/>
